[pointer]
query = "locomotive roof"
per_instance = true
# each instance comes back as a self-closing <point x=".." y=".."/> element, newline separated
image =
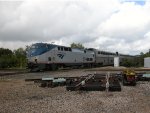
<point x="78" y="49"/>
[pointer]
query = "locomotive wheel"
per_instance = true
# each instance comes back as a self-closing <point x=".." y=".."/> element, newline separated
<point x="134" y="84"/>
<point x="54" y="67"/>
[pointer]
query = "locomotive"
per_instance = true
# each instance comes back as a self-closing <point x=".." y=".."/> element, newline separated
<point x="44" y="56"/>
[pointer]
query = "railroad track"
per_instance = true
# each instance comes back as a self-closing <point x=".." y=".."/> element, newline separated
<point x="116" y="69"/>
<point x="12" y="73"/>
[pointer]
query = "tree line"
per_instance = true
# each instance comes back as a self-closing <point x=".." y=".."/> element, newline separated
<point x="12" y="59"/>
<point x="136" y="61"/>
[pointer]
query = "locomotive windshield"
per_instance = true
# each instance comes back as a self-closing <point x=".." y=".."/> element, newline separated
<point x="39" y="48"/>
<point x="34" y="47"/>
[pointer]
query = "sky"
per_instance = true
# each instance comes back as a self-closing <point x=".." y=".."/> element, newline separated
<point x="110" y="25"/>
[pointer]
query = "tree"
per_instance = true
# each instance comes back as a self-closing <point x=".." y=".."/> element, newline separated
<point x="20" y="54"/>
<point x="141" y="53"/>
<point x="27" y="48"/>
<point x="9" y="59"/>
<point x="4" y="51"/>
<point x="127" y="62"/>
<point x="77" y="45"/>
<point x="6" y="56"/>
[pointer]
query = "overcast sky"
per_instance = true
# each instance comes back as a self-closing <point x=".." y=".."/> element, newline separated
<point x="112" y="25"/>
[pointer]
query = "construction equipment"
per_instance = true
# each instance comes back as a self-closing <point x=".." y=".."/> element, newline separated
<point x="50" y="81"/>
<point x="95" y="82"/>
<point x="90" y="82"/>
<point x="143" y="77"/>
<point x="114" y="84"/>
<point x="129" y="77"/>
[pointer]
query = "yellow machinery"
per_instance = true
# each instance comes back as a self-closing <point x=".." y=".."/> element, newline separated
<point x="128" y="77"/>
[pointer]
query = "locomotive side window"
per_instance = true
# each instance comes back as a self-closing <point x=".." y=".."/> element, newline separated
<point x="58" y="48"/>
<point x="66" y="49"/>
<point x="87" y="59"/>
<point x="70" y="49"/>
<point x="61" y="48"/>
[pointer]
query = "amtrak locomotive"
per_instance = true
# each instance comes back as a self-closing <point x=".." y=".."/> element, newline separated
<point x="43" y="56"/>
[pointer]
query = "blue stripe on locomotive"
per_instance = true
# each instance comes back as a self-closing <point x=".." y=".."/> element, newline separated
<point x="39" y="48"/>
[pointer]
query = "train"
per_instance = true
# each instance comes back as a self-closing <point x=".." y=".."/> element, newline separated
<point x="44" y="56"/>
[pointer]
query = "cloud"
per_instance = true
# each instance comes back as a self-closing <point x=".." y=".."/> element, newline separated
<point x="47" y="20"/>
<point x="127" y="27"/>
<point x="112" y="25"/>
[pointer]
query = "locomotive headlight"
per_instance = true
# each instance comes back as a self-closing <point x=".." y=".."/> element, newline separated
<point x="35" y="60"/>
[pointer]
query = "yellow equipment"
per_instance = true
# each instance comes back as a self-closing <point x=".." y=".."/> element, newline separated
<point x="128" y="77"/>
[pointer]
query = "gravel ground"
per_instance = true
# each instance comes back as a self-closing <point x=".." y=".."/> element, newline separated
<point x="18" y="96"/>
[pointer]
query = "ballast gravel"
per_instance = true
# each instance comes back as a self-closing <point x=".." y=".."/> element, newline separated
<point x="18" y="96"/>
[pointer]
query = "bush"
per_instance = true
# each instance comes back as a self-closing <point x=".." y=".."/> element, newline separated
<point x="9" y="59"/>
